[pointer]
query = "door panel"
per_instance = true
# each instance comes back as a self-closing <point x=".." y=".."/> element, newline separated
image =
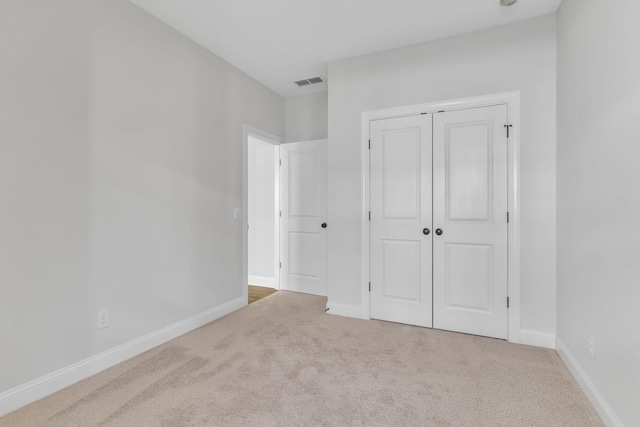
<point x="468" y="287"/>
<point x="468" y="170"/>
<point x="400" y="264"/>
<point x="304" y="254"/>
<point x="303" y="178"/>
<point x="400" y="210"/>
<point x="304" y="189"/>
<point x="401" y="174"/>
<point x="470" y="207"/>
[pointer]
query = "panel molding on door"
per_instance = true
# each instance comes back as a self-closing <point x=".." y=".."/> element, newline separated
<point x="400" y="159"/>
<point x="470" y="204"/>
<point x="303" y="201"/>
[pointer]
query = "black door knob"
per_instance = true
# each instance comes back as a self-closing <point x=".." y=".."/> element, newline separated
<point x="439" y="232"/>
<point x="324" y="225"/>
<point x="426" y="231"/>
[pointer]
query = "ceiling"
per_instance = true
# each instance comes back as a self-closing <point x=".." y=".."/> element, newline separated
<point x="280" y="41"/>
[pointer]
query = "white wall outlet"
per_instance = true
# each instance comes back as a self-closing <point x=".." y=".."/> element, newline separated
<point x="236" y="213"/>
<point x="103" y="319"/>
<point x="591" y="346"/>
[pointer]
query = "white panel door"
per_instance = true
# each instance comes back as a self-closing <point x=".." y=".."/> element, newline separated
<point x="470" y="221"/>
<point x="401" y="220"/>
<point x="303" y="201"/>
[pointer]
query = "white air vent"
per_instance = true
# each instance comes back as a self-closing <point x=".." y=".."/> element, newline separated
<point x="309" y="81"/>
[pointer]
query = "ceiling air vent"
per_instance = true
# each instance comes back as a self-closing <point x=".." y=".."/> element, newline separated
<point x="309" y="81"/>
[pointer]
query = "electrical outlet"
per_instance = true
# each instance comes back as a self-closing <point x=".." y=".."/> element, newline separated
<point x="591" y="346"/>
<point x="103" y="319"/>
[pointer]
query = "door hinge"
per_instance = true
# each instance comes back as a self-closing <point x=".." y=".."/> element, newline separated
<point x="507" y="217"/>
<point x="280" y="162"/>
<point x="508" y="127"/>
<point x="369" y="144"/>
<point x="280" y="214"/>
<point x="280" y="265"/>
<point x="369" y="215"/>
<point x="369" y="286"/>
<point x="507" y="302"/>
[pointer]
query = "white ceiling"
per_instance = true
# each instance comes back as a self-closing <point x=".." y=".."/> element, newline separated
<point x="280" y="41"/>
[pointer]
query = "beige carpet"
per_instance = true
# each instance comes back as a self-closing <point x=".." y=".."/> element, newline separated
<point x="283" y="362"/>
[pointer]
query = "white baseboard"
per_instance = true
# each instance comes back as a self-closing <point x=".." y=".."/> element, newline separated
<point x="267" y="282"/>
<point x="537" y="338"/>
<point x="346" y="310"/>
<point x="37" y="389"/>
<point x="600" y="404"/>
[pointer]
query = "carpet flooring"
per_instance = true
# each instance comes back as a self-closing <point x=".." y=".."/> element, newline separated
<point x="283" y="362"/>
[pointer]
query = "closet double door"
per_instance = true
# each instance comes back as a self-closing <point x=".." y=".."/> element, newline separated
<point x="439" y="220"/>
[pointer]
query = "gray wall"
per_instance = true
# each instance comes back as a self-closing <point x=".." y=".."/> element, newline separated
<point x="598" y="197"/>
<point x="120" y="165"/>
<point x="261" y="195"/>
<point x="520" y="56"/>
<point x="306" y="117"/>
<point x="45" y="183"/>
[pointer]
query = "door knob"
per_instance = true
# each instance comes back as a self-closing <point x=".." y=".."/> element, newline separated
<point x="324" y="225"/>
<point x="426" y="231"/>
<point x="439" y="232"/>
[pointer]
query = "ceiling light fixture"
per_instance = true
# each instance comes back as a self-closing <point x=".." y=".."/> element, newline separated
<point x="507" y="2"/>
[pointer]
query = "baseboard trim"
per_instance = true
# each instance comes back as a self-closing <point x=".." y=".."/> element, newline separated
<point x="267" y="282"/>
<point x="537" y="338"/>
<point x="37" y="389"/>
<point x="600" y="404"/>
<point x="346" y="310"/>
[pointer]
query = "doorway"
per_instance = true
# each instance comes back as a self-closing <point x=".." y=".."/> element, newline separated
<point x="262" y="206"/>
<point x="442" y="219"/>
<point x="285" y="202"/>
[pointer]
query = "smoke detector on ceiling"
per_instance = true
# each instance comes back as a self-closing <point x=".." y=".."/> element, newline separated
<point x="309" y="81"/>
<point x="507" y="2"/>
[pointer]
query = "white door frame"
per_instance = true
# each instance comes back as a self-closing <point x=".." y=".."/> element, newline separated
<point x="512" y="100"/>
<point x="251" y="131"/>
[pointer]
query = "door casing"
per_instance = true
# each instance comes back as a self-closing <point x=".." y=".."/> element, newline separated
<point x="512" y="100"/>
